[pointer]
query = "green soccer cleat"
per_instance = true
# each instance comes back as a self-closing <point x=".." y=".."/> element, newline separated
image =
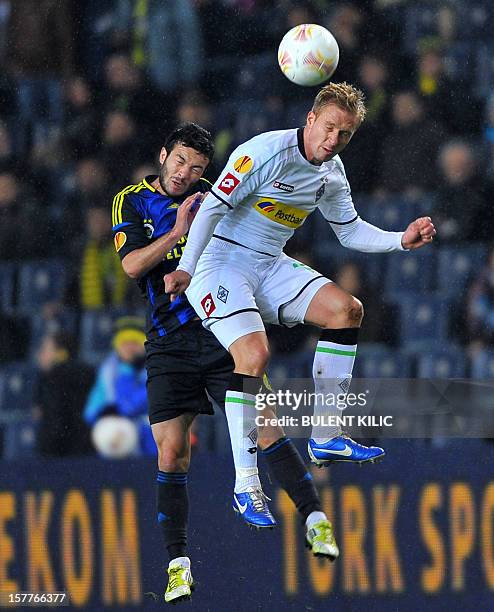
<point x="320" y="540"/>
<point x="180" y="581"/>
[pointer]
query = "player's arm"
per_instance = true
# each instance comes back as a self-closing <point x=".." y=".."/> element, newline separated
<point x="137" y="260"/>
<point x="234" y="184"/>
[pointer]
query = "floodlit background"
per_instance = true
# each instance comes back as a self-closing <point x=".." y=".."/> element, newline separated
<point x="88" y="92"/>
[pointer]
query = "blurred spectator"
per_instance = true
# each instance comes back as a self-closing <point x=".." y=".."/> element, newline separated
<point x="24" y="231"/>
<point x="100" y="280"/>
<point x="463" y="201"/>
<point x="80" y="130"/>
<point x="443" y="99"/>
<point x="90" y="189"/>
<point x="121" y="149"/>
<point x="39" y="56"/>
<point x="480" y="306"/>
<point x="62" y="390"/>
<point x="120" y="386"/>
<point x="7" y="156"/>
<point x="126" y="90"/>
<point x="378" y="323"/>
<point x="360" y="161"/>
<point x="407" y="150"/>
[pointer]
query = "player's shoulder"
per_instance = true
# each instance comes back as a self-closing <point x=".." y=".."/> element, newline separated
<point x="130" y="197"/>
<point x="263" y="148"/>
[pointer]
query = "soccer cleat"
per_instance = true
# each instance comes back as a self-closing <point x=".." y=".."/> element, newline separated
<point x="343" y="449"/>
<point x="180" y="581"/>
<point x="253" y="507"/>
<point x="320" y="539"/>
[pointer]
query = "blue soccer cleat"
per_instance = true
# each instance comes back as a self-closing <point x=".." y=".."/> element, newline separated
<point x="343" y="449"/>
<point x="252" y="506"/>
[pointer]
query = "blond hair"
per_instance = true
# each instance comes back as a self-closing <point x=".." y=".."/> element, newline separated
<point x="344" y="95"/>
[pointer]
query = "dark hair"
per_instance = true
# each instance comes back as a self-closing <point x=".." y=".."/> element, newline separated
<point x="193" y="136"/>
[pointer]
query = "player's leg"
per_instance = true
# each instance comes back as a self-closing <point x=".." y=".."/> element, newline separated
<point x="236" y="391"/>
<point x="172" y="438"/>
<point x="288" y="469"/>
<point x="339" y="316"/>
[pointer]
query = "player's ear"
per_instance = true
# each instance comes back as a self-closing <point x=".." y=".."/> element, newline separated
<point x="311" y="117"/>
<point x="163" y="155"/>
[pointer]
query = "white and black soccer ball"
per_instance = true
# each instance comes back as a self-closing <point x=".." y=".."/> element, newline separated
<point x="308" y="54"/>
<point x="115" y="437"/>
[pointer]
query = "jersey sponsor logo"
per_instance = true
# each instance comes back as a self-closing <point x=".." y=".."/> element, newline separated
<point x="289" y="216"/>
<point x="228" y="184"/>
<point x="222" y="294"/>
<point x="243" y="164"/>
<point x="120" y="239"/>
<point x="208" y="304"/>
<point x="283" y="187"/>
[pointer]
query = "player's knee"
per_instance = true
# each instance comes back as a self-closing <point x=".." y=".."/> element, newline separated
<point x="254" y="361"/>
<point x="348" y="313"/>
<point x="171" y="460"/>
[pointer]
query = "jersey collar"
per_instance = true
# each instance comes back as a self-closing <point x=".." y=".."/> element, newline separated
<point x="148" y="180"/>
<point x="300" y="142"/>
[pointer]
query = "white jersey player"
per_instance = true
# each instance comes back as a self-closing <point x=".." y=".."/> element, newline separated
<point x="240" y="278"/>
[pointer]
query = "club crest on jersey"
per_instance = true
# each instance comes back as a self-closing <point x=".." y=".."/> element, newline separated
<point x="289" y="216"/>
<point x="149" y="228"/>
<point x="208" y="304"/>
<point x="283" y="186"/>
<point x="228" y="184"/>
<point x="243" y="164"/>
<point x="320" y="192"/>
<point x="120" y="239"/>
<point x="222" y="294"/>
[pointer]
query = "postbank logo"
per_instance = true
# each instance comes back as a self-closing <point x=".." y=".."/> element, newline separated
<point x="289" y="216"/>
<point x="243" y="164"/>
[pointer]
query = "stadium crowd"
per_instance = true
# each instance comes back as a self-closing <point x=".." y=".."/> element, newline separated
<point x="88" y="90"/>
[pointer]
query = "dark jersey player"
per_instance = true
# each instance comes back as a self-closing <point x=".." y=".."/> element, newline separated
<point x="183" y="360"/>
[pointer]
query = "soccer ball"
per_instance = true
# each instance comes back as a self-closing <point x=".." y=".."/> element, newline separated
<point x="115" y="437"/>
<point x="308" y="54"/>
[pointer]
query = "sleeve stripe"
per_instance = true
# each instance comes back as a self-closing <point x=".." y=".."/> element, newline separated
<point x="221" y="200"/>
<point x="118" y="202"/>
<point x="344" y="222"/>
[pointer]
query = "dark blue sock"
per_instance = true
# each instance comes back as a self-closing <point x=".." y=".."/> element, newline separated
<point x="173" y="510"/>
<point x="286" y="465"/>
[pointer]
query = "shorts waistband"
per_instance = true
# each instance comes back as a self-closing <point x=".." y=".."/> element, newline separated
<point x="235" y="243"/>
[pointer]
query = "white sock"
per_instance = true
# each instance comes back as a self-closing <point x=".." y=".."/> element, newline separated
<point x="241" y="415"/>
<point x="182" y="561"/>
<point x="315" y="517"/>
<point x="332" y="372"/>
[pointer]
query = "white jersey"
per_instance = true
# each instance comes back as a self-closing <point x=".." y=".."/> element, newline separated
<point x="268" y="189"/>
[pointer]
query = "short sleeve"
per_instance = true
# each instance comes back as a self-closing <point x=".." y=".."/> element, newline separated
<point x="129" y="232"/>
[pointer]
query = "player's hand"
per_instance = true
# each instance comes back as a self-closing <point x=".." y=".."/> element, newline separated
<point x="176" y="282"/>
<point x="186" y="213"/>
<point x="419" y="233"/>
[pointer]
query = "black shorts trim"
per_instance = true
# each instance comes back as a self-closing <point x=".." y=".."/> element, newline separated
<point x="236" y="312"/>
<point x="295" y="297"/>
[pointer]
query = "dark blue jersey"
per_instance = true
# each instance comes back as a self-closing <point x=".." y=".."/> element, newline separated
<point x="140" y="215"/>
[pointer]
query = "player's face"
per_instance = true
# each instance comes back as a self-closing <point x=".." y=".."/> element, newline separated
<point x="328" y="133"/>
<point x="180" y="169"/>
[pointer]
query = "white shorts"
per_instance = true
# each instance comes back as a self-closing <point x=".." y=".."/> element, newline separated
<point x="234" y="290"/>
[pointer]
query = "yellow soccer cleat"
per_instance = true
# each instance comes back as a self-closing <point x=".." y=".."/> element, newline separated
<point x="180" y="581"/>
<point x="320" y="539"/>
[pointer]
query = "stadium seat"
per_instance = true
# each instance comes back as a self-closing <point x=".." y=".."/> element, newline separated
<point x="456" y="267"/>
<point x="422" y="320"/>
<point x="19" y="440"/>
<point x="17" y="388"/>
<point x="39" y="282"/>
<point x="296" y="365"/>
<point x="383" y="363"/>
<point x="391" y="214"/>
<point x="7" y="274"/>
<point x="96" y="331"/>
<point x="442" y="364"/>
<point x="410" y="273"/>
<point x="482" y="366"/>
